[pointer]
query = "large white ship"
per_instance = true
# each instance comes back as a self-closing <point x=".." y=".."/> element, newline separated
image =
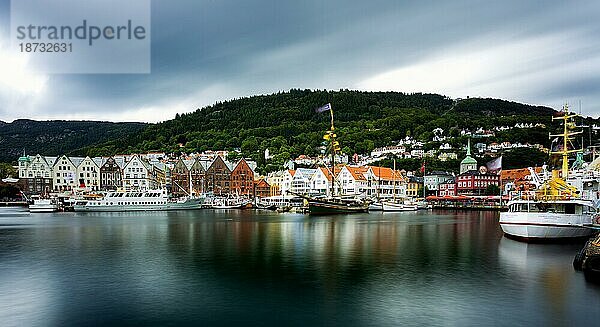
<point x="557" y="210"/>
<point x="146" y="200"/>
<point x="539" y="219"/>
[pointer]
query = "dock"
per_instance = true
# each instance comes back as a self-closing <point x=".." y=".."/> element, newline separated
<point x="13" y="204"/>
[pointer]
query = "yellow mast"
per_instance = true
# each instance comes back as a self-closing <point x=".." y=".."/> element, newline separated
<point x="335" y="146"/>
<point x="568" y="126"/>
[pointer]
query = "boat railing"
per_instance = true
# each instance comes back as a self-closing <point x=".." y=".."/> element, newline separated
<point x="540" y="196"/>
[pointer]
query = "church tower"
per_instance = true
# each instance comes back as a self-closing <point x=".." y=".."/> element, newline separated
<point x="468" y="163"/>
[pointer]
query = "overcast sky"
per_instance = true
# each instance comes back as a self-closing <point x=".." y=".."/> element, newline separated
<point x="539" y="52"/>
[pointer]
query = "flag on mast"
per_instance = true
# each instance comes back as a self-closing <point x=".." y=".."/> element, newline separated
<point x="494" y="165"/>
<point x="423" y="167"/>
<point x="324" y="108"/>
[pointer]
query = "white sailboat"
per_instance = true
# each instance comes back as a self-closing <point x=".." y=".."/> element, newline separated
<point x="396" y="204"/>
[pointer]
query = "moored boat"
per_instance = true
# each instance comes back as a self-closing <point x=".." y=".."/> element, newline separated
<point x="143" y="200"/>
<point x="390" y="206"/>
<point x="229" y="203"/>
<point x="43" y="205"/>
<point x="335" y="206"/>
<point x="556" y="211"/>
<point x="532" y="220"/>
<point x="376" y="206"/>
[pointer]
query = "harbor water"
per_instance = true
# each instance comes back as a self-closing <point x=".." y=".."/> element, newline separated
<point x="220" y="268"/>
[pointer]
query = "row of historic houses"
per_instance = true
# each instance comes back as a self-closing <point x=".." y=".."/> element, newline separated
<point x="217" y="177"/>
<point x="368" y="181"/>
<point x="44" y="174"/>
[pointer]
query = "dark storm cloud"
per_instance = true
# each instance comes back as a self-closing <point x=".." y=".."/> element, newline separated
<point x="204" y="51"/>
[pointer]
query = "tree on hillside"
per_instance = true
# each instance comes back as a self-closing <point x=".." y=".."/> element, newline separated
<point x="523" y="157"/>
<point x="7" y="170"/>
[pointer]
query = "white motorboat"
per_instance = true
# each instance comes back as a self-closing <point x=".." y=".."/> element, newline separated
<point x="547" y="219"/>
<point x="389" y="206"/>
<point x="229" y="203"/>
<point x="143" y="200"/>
<point x="376" y="206"/>
<point x="43" y="205"/>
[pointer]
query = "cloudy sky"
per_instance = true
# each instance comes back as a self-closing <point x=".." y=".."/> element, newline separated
<point x="539" y="52"/>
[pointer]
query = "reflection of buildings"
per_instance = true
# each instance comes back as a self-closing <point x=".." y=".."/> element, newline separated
<point x="241" y="241"/>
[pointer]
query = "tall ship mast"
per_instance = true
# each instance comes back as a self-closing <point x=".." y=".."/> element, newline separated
<point x="556" y="210"/>
<point x="333" y="204"/>
<point x="567" y="135"/>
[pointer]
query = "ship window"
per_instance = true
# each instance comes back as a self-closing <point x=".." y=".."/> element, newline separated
<point x="570" y="208"/>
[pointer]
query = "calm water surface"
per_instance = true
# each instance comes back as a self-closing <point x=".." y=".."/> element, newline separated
<point x="257" y="268"/>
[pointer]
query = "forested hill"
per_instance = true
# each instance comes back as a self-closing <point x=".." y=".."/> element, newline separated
<point x="58" y="137"/>
<point x="287" y="124"/>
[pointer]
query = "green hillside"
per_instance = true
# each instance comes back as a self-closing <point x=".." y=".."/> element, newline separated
<point x="58" y="137"/>
<point x="287" y="124"/>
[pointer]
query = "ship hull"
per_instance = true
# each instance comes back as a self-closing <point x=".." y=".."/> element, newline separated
<point x="376" y="206"/>
<point x="397" y="207"/>
<point x="42" y="209"/>
<point x="187" y="205"/>
<point x="41" y="206"/>
<point x="532" y="226"/>
<point x="325" y="208"/>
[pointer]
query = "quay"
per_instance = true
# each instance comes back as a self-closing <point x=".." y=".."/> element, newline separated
<point x="463" y="202"/>
<point x="13" y="204"/>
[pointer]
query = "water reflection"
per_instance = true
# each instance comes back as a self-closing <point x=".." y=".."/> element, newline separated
<point x="234" y="267"/>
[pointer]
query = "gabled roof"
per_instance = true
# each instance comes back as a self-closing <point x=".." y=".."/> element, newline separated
<point x="386" y="173"/>
<point x="199" y="164"/>
<point x="120" y="161"/>
<point x="70" y="159"/>
<point x="146" y="163"/>
<point x="188" y="163"/>
<point x="98" y="161"/>
<point x="358" y="172"/>
<point x="90" y="160"/>
<point x="76" y="160"/>
<point x="47" y="160"/>
<point x="304" y="173"/>
<point x="292" y="172"/>
<point x="327" y="173"/>
<point x="230" y="165"/>
<point x="203" y="163"/>
<point x="243" y="161"/>
<point x="261" y="183"/>
<point x="219" y="158"/>
<point x="252" y="164"/>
